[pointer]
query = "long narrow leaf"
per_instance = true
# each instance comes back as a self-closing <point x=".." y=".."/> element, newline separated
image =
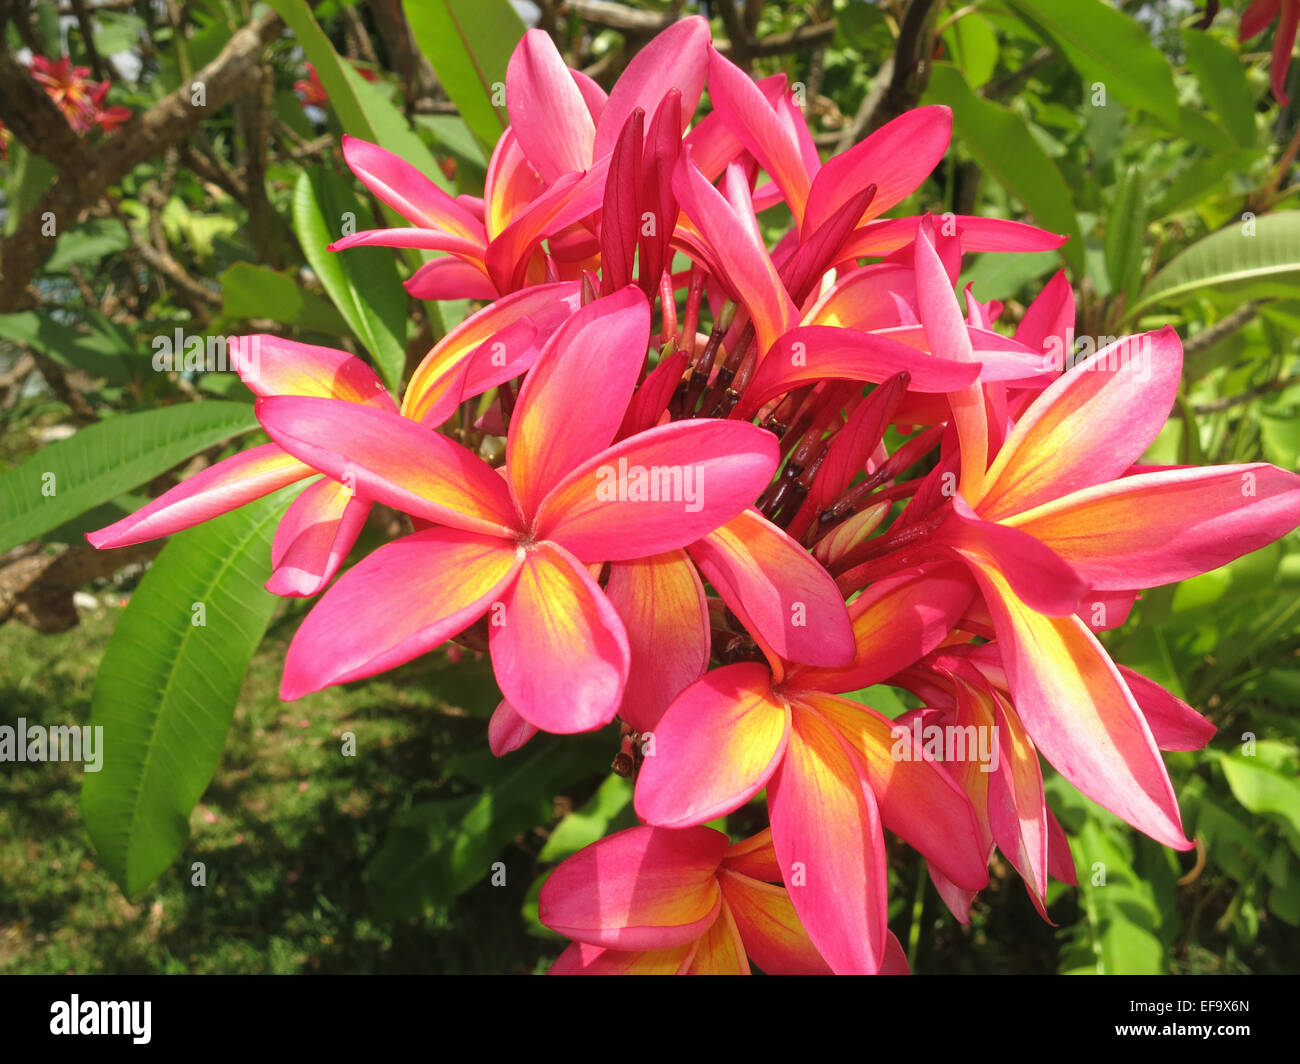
<point x="104" y="460"/>
<point x="362" y="282"/>
<point x="166" y="689"/>
<point x="468" y="43"/>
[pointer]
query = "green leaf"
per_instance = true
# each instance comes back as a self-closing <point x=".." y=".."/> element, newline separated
<point x="468" y="43"/>
<point x="974" y="48"/>
<point x="1222" y="79"/>
<point x="101" y="353"/>
<point x="363" y="282"/>
<point x="455" y="137"/>
<point x="589" y="824"/>
<point x="437" y="850"/>
<point x="47" y="24"/>
<point x="1280" y="435"/>
<point x="861" y="25"/>
<point x="117" y="31"/>
<point x="1234" y="264"/>
<point x="1230" y="844"/>
<point x="1264" y="789"/>
<point x="249" y="291"/>
<point x="1108" y="47"/>
<point x="94" y="239"/>
<point x="1002" y="144"/>
<point x="1200" y="129"/>
<point x="997" y="276"/>
<point x="362" y="108"/>
<point x="166" y="689"/>
<point x="198" y="229"/>
<point x="1199" y="180"/>
<point x="29" y="176"/>
<point x="1123" y="928"/>
<point x="1125" y="233"/>
<point x="104" y="460"/>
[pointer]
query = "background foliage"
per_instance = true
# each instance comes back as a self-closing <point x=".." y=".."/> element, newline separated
<point x="1149" y="138"/>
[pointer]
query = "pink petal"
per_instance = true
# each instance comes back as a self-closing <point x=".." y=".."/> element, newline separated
<point x="676" y="58"/>
<point x="412" y="195"/>
<point x="947" y="336"/>
<point x="395" y="604"/>
<point x="1017" y="809"/>
<point x="1080" y="714"/>
<point x="832" y="851"/>
<point x="662" y="603"/>
<point x="917" y="799"/>
<point x="868" y="299"/>
<point x="1174" y="724"/>
<point x="777" y="589"/>
<point x="582" y="959"/>
<point x="769" y="927"/>
<point x="314" y="538"/>
<point x="697" y="475"/>
<point x="573" y="197"/>
<point x="547" y="111"/>
<point x="1041" y="578"/>
<point x="450" y="278"/>
<point x="653" y="395"/>
<point x="1048" y="321"/>
<point x="818" y="352"/>
<point x="757" y="125"/>
<point x="507" y="730"/>
<point x="896" y="622"/>
<point x="740" y="256"/>
<point x="511" y="184"/>
<point x="270" y="365"/>
<point x="424" y="239"/>
<point x="559" y="649"/>
<point x="1087" y="427"/>
<point x="1158" y="528"/>
<point x="216" y="490"/>
<point x="1255" y="19"/>
<point x="720" y="950"/>
<point x="896" y="158"/>
<point x="620" y="219"/>
<point x="714" y="749"/>
<point x="589" y="367"/>
<point x="392" y="460"/>
<point x="1283" y="46"/>
<point x="502" y="338"/>
<point x="887" y="235"/>
<point x="643" y="888"/>
<point x="714" y="146"/>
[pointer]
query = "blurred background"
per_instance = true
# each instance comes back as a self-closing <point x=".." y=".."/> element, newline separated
<point x="1147" y="131"/>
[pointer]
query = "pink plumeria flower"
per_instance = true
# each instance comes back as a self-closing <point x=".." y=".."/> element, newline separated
<point x="515" y="545"/>
<point x="653" y="901"/>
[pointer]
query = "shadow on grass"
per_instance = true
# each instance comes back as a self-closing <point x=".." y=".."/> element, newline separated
<point x="284" y="832"/>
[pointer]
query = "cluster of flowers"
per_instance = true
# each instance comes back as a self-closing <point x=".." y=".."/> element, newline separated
<point x="80" y="100"/>
<point x="648" y="460"/>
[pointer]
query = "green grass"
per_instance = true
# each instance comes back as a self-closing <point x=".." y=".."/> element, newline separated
<point x="284" y="830"/>
<point x="288" y="826"/>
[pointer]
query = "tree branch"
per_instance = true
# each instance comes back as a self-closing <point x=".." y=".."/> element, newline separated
<point x="167" y="123"/>
<point x="902" y="78"/>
